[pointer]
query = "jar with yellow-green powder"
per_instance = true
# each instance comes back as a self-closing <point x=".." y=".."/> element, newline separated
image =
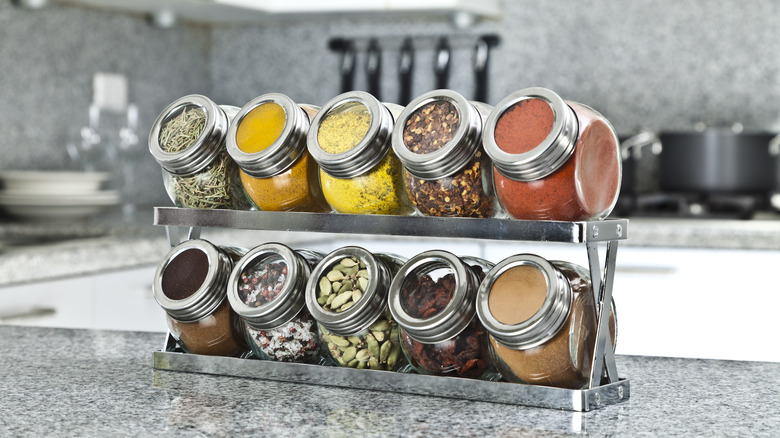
<point x="359" y="172"/>
<point x="267" y="140"/>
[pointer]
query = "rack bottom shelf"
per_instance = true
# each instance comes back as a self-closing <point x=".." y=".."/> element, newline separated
<point x="581" y="400"/>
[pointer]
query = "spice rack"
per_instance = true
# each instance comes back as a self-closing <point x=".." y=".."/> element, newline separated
<point x="605" y="388"/>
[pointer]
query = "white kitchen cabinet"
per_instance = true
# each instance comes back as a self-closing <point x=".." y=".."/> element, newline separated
<point x="120" y="300"/>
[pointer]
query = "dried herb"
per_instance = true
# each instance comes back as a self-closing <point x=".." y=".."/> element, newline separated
<point x="183" y="130"/>
<point x="215" y="187"/>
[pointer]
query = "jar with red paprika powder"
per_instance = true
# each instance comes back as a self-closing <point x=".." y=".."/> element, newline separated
<point x="438" y="138"/>
<point x="542" y="321"/>
<point x="190" y="285"/>
<point x="554" y="159"/>
<point x="433" y="299"/>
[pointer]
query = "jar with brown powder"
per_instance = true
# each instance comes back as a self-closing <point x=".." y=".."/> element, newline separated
<point x="541" y="317"/>
<point x="267" y="140"/>
<point x="433" y="300"/>
<point x="190" y="284"/>
<point x="438" y="138"/>
<point x="359" y="172"/>
<point x="554" y="159"/>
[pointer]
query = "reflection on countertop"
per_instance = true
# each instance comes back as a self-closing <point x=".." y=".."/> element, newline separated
<point x="47" y="251"/>
<point x="61" y="382"/>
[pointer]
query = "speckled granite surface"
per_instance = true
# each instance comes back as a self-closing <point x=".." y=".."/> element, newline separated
<point x="58" y="382"/>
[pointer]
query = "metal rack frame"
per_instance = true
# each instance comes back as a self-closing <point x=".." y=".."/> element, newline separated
<point x="604" y="388"/>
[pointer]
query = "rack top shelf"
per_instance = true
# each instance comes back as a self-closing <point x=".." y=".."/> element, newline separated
<point x="495" y="229"/>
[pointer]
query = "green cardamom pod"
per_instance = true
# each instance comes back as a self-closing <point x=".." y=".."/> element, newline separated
<point x="322" y="300"/>
<point x="384" y="351"/>
<point x="392" y="358"/>
<point x="348" y="262"/>
<point x="363" y="355"/>
<point x="363" y="273"/>
<point x="341" y="342"/>
<point x="380" y="326"/>
<point x="353" y="363"/>
<point x="346" y="285"/>
<point x="334" y="275"/>
<point x="349" y="354"/>
<point x="362" y="283"/>
<point x="346" y="306"/>
<point x="357" y="295"/>
<point x="355" y="340"/>
<point x="340" y="300"/>
<point x="380" y="336"/>
<point x="373" y="345"/>
<point x="373" y="363"/>
<point x="325" y="287"/>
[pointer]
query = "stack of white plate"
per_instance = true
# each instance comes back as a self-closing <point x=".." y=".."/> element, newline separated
<point x="46" y="195"/>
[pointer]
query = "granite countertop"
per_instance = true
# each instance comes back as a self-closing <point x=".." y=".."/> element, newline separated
<point x="60" y="382"/>
<point x="49" y="251"/>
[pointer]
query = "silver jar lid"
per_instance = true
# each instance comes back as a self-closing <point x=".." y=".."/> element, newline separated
<point x="453" y="156"/>
<point x="291" y="298"/>
<point x="211" y="293"/>
<point x="548" y="155"/>
<point x="282" y="153"/>
<point x="205" y="148"/>
<point x="367" y="309"/>
<point x="368" y="152"/>
<point x="455" y="316"/>
<point x="542" y="325"/>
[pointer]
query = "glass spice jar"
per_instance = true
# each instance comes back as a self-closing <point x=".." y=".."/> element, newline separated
<point x="267" y="290"/>
<point x="188" y="141"/>
<point x="541" y="317"/>
<point x="554" y="159"/>
<point x="438" y="138"/>
<point x="347" y="295"/>
<point x="267" y="140"/>
<point x="190" y="285"/>
<point x="359" y="173"/>
<point x="433" y="300"/>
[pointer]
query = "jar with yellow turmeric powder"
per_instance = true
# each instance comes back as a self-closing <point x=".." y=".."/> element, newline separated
<point x="267" y="140"/>
<point x="188" y="141"/>
<point x="359" y="172"/>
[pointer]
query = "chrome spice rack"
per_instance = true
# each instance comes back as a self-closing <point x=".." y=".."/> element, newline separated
<point x="605" y="387"/>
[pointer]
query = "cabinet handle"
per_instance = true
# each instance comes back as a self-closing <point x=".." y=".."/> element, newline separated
<point x="25" y="312"/>
<point x="640" y="269"/>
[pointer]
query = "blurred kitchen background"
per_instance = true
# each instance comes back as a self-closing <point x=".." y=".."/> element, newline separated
<point x="83" y="78"/>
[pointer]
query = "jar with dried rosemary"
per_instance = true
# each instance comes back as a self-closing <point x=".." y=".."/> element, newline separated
<point x="359" y="173"/>
<point x="267" y="140"/>
<point x="438" y="138"/>
<point x="188" y="141"/>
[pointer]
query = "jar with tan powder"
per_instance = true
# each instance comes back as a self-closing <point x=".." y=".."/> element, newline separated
<point x="347" y="295"/>
<point x="359" y="173"/>
<point x="541" y="317"/>
<point x="554" y="159"/>
<point x="438" y="138"/>
<point x="433" y="300"/>
<point x="267" y="140"/>
<point x="188" y="141"/>
<point x="190" y="284"/>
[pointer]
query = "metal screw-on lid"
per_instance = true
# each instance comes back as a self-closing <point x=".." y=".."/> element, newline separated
<point x="211" y="293"/>
<point x="367" y="309"/>
<point x="545" y="323"/>
<point x="546" y="157"/>
<point x="208" y="145"/>
<point x="279" y="156"/>
<point x="458" y="152"/>
<point x="368" y="152"/>
<point x="290" y="300"/>
<point x="455" y="316"/>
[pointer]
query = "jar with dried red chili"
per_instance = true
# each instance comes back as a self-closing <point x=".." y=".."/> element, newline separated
<point x="266" y="289"/>
<point x="554" y="159"/>
<point x="438" y="138"/>
<point x="433" y="299"/>
<point x="189" y="285"/>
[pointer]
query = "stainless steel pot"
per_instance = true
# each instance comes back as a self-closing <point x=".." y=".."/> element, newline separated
<point x="718" y="161"/>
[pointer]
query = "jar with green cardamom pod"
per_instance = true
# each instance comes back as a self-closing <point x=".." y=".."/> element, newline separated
<point x="188" y="141"/>
<point x="347" y="295"/>
<point x="350" y="139"/>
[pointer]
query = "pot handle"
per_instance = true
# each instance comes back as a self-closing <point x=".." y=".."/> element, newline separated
<point x="774" y="146"/>
<point x="632" y="146"/>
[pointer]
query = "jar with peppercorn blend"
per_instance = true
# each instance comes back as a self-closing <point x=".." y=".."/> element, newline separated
<point x="554" y="159"/>
<point x="190" y="285"/>
<point x="347" y="295"/>
<point x="188" y="141"/>
<point x="433" y="299"/>
<point x="267" y="291"/>
<point x="438" y="138"/>
<point x="541" y="318"/>
<point x="359" y="173"/>
<point x="267" y="140"/>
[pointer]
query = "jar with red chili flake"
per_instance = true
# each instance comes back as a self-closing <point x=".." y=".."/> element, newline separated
<point x="433" y="299"/>
<point x="554" y="159"/>
<point x="438" y="138"/>
<point x="266" y="290"/>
